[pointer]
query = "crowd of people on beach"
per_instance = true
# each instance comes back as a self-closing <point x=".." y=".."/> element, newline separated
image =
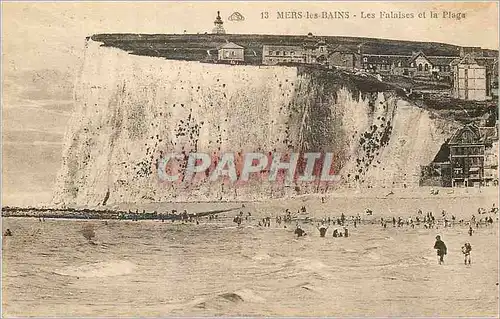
<point x="427" y="221"/>
<point x="420" y="219"/>
<point x="339" y="223"/>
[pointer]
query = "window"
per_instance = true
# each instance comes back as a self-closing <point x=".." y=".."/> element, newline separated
<point x="365" y="59"/>
<point x="292" y="53"/>
<point x="420" y="66"/>
<point x="399" y="64"/>
<point x="233" y="53"/>
<point x="426" y="67"/>
<point x="412" y="64"/>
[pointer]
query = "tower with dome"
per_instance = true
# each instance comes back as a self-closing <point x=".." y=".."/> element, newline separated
<point x="218" y="29"/>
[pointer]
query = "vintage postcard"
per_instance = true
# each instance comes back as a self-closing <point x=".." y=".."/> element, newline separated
<point x="262" y="159"/>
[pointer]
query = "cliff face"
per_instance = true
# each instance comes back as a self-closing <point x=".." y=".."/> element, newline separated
<point x="130" y="109"/>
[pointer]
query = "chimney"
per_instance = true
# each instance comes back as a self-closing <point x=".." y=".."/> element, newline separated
<point x="462" y="52"/>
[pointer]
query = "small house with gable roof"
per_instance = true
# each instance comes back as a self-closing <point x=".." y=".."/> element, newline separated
<point x="231" y="52"/>
<point x="422" y="64"/>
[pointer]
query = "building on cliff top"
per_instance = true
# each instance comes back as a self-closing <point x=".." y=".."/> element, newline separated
<point x="469" y="79"/>
<point x="218" y="29"/>
<point x="274" y="54"/>
<point x="423" y="67"/>
<point x="231" y="52"/>
<point x="343" y="57"/>
<point x="418" y="65"/>
<point x="472" y="51"/>
<point x="312" y="51"/>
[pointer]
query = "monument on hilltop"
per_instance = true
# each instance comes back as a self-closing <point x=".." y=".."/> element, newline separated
<point x="218" y="29"/>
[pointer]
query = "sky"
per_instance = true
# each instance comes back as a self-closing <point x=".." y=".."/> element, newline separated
<point x="43" y="42"/>
<point x="48" y="34"/>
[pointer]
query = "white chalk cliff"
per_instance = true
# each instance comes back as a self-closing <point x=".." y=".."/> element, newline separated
<point x="130" y="109"/>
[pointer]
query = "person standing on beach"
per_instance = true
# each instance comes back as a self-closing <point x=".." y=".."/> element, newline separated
<point x="237" y="220"/>
<point x="299" y="231"/>
<point x="322" y="230"/>
<point x="466" y="249"/>
<point x="470" y="230"/>
<point x="335" y="233"/>
<point x="440" y="246"/>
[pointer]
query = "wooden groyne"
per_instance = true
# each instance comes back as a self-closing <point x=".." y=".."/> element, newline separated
<point x="85" y="213"/>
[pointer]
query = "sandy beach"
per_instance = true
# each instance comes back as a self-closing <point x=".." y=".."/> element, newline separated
<point x="150" y="268"/>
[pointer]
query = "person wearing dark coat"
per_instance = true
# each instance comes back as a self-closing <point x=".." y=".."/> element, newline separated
<point x="299" y="231"/>
<point x="441" y="249"/>
<point x="322" y="230"/>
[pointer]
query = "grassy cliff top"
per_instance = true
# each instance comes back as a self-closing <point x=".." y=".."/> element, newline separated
<point x="195" y="46"/>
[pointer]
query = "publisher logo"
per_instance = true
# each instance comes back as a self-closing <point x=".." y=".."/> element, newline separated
<point x="236" y="16"/>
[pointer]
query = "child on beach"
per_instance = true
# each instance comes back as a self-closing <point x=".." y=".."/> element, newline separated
<point x="466" y="249"/>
